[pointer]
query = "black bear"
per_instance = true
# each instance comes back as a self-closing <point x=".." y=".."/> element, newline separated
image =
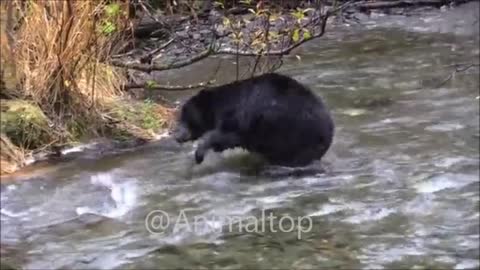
<point x="272" y="115"/>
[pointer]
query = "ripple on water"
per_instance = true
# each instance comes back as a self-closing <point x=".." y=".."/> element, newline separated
<point x="449" y="162"/>
<point x="328" y="209"/>
<point x="376" y="255"/>
<point x="444" y="181"/>
<point x="355" y="212"/>
<point x="444" y="127"/>
<point x="370" y="214"/>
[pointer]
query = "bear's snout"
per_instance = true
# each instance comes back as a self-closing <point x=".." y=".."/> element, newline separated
<point x="181" y="134"/>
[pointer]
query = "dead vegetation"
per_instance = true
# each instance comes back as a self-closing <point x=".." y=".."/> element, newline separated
<point x="58" y="52"/>
<point x="12" y="157"/>
<point x="53" y="57"/>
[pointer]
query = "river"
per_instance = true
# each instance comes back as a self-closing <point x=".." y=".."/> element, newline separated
<point x="401" y="188"/>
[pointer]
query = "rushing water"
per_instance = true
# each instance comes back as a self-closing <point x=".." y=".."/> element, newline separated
<point x="401" y="189"/>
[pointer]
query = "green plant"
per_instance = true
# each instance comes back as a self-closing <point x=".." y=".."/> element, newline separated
<point x="109" y="22"/>
<point x="300" y="15"/>
<point x="150" y="84"/>
<point x="149" y="119"/>
<point x="25" y="124"/>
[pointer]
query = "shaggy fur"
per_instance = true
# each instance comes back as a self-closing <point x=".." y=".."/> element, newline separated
<point x="272" y="115"/>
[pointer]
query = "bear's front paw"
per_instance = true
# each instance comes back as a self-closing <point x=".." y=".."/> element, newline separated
<point x="199" y="156"/>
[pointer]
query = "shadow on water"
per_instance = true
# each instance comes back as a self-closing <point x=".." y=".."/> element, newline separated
<point x="400" y="188"/>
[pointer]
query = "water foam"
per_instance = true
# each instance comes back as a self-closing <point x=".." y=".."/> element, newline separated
<point x="124" y="196"/>
<point x="11" y="214"/>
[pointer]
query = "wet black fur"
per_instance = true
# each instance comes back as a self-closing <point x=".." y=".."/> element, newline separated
<point x="272" y="115"/>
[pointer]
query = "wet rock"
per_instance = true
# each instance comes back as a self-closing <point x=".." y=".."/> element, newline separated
<point x="361" y="17"/>
<point x="182" y="34"/>
<point x="177" y="52"/>
<point x="220" y="29"/>
<point x="196" y="36"/>
<point x="205" y="32"/>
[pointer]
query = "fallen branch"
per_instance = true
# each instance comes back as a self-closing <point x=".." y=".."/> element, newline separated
<point x="401" y="3"/>
<point x="151" y="67"/>
<point x="169" y="87"/>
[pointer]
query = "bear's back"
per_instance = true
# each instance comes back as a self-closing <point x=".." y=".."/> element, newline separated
<point x="265" y="88"/>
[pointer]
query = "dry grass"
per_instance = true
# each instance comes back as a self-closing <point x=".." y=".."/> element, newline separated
<point x="11" y="156"/>
<point x="59" y="52"/>
<point x="56" y="53"/>
<point x="56" y="59"/>
<point x="7" y="61"/>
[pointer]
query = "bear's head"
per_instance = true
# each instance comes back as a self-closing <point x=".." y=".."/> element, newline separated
<point x="194" y="119"/>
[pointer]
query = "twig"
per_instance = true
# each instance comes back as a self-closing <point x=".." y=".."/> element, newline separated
<point x="259" y="56"/>
<point x="461" y="69"/>
<point x="143" y="5"/>
<point x="149" y="56"/>
<point x="95" y="62"/>
<point x="237" y="61"/>
<point x="458" y="68"/>
<point x="121" y="49"/>
<point x="214" y="74"/>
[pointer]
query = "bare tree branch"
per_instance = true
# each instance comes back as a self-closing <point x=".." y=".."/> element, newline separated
<point x="259" y="56"/>
<point x="321" y="20"/>
<point x="284" y="51"/>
